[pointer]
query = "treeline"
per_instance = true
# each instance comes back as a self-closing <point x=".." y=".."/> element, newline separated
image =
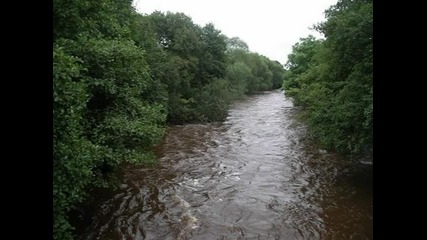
<point x="332" y="78"/>
<point x="119" y="77"/>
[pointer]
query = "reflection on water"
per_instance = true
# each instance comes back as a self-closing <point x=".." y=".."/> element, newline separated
<point x="250" y="177"/>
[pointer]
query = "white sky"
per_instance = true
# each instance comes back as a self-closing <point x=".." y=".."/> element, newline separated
<point x="269" y="27"/>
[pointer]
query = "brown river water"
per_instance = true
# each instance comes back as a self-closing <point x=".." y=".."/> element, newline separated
<point x="253" y="176"/>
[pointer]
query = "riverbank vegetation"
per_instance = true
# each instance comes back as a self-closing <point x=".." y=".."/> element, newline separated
<point x="331" y="78"/>
<point x="119" y="77"/>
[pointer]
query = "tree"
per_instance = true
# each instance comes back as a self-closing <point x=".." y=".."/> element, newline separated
<point x="195" y="58"/>
<point x="278" y="73"/>
<point x="332" y="79"/>
<point x="236" y="43"/>
<point x="212" y="62"/>
<point x="106" y="106"/>
<point x="300" y="61"/>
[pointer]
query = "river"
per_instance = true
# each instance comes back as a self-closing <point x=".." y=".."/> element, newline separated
<point x="253" y="176"/>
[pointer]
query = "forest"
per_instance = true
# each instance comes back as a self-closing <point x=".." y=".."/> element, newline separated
<point x="120" y="77"/>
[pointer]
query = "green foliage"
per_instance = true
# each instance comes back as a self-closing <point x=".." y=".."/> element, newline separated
<point x="277" y="71"/>
<point x="102" y="18"/>
<point x="252" y="72"/>
<point x="106" y="107"/>
<point x="332" y="79"/>
<point x="203" y="69"/>
<point x="300" y="62"/>
<point x="69" y="99"/>
<point x="236" y="43"/>
<point x="212" y="62"/>
<point x="237" y="75"/>
<point x="213" y="100"/>
<point x="261" y="79"/>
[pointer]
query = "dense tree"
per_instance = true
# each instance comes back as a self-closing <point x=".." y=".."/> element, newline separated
<point x="236" y="43"/>
<point x="103" y="18"/>
<point x="198" y="62"/>
<point x="261" y="75"/>
<point x="332" y="79"/>
<point x="278" y="72"/>
<point x="253" y="72"/>
<point x="301" y="68"/>
<point x="106" y="107"/>
<point x="212" y="61"/>
<point x="300" y="60"/>
<point x="238" y="74"/>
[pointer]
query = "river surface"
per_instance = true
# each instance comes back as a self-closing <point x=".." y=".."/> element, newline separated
<point x="253" y="176"/>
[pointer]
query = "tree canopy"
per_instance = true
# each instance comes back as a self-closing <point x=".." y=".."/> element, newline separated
<point x="332" y="78"/>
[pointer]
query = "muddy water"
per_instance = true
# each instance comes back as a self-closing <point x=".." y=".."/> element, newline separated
<point x="254" y="176"/>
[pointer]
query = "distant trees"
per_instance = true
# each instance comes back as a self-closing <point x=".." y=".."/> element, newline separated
<point x="119" y="77"/>
<point x="194" y="57"/>
<point x="252" y="71"/>
<point x="236" y="43"/>
<point x="332" y="78"/>
<point x="194" y="64"/>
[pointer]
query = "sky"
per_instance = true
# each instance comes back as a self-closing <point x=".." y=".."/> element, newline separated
<point x="269" y="27"/>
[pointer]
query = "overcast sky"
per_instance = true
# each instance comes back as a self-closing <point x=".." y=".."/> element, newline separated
<point x="269" y="27"/>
